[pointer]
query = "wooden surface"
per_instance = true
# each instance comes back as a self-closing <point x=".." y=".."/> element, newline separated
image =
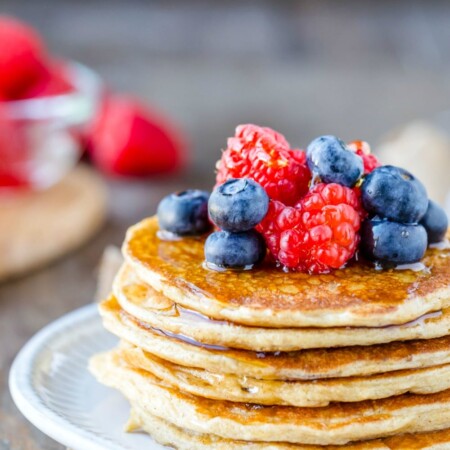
<point x="39" y="227"/>
<point x="354" y="68"/>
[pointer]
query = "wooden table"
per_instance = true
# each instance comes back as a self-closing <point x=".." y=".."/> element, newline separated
<point x="352" y="68"/>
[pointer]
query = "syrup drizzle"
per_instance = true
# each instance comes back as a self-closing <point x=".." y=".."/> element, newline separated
<point x="419" y="321"/>
<point x="168" y="236"/>
<point x="443" y="245"/>
<point x="415" y="267"/>
<point x="215" y="268"/>
<point x="180" y="337"/>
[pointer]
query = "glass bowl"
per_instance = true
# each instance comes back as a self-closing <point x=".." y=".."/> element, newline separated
<point x="41" y="138"/>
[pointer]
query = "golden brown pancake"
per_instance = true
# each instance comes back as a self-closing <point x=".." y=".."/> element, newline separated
<point x="293" y="393"/>
<point x="182" y="439"/>
<point x="336" y="424"/>
<point x="154" y="308"/>
<point x="266" y="296"/>
<point x="264" y="359"/>
<point x="300" y="365"/>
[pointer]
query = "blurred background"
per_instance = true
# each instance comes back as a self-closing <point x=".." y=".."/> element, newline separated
<point x="378" y="71"/>
<point x="354" y="68"/>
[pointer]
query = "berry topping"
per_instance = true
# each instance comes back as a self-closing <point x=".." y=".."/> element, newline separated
<point x="395" y="194"/>
<point x="435" y="222"/>
<point x="184" y="213"/>
<point x="332" y="162"/>
<point x="264" y="155"/>
<point x="362" y="148"/>
<point x="238" y="204"/>
<point x="319" y="234"/>
<point x="234" y="250"/>
<point x="392" y="242"/>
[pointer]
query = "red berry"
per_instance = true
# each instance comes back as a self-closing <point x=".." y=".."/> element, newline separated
<point x="265" y="156"/>
<point x="127" y="139"/>
<point x="14" y="155"/>
<point x="22" y="58"/>
<point x="55" y="81"/>
<point x="362" y="148"/>
<point x="317" y="235"/>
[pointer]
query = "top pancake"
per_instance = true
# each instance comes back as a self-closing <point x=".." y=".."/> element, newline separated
<point x="267" y="296"/>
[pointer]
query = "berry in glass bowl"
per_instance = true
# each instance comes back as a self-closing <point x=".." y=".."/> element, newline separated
<point x="40" y="135"/>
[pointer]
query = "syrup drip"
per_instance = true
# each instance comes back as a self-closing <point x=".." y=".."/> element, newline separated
<point x="415" y="267"/>
<point x="188" y="340"/>
<point x="444" y="245"/>
<point x="215" y="268"/>
<point x="180" y="337"/>
<point x="194" y="316"/>
<point x="419" y="321"/>
<point x="168" y="236"/>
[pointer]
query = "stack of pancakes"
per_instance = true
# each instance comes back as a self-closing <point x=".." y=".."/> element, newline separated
<point x="263" y="359"/>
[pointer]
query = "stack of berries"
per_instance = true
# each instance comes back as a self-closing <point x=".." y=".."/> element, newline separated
<point x="236" y="207"/>
<point x="314" y="209"/>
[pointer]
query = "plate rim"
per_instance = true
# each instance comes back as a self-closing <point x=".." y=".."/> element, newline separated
<point x="30" y="403"/>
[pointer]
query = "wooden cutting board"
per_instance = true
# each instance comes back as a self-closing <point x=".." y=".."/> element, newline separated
<point x="38" y="227"/>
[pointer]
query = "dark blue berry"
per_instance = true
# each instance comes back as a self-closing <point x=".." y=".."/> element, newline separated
<point x="329" y="158"/>
<point x="234" y="250"/>
<point x="394" y="193"/>
<point x="435" y="221"/>
<point x="392" y="242"/>
<point x="184" y="213"/>
<point x="238" y="204"/>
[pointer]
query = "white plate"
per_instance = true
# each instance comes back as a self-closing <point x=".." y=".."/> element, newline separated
<point x="53" y="389"/>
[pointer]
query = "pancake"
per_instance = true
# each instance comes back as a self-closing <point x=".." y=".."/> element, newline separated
<point x="267" y="296"/>
<point x="146" y="304"/>
<point x="292" y="393"/>
<point x="336" y="424"/>
<point x="301" y="365"/>
<point x="170" y="435"/>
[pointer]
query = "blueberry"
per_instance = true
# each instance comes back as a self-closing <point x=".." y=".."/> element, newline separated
<point x="234" y="250"/>
<point x="329" y="158"/>
<point x="238" y="205"/>
<point x="394" y="193"/>
<point x="184" y="213"/>
<point x="435" y="221"/>
<point x="392" y="242"/>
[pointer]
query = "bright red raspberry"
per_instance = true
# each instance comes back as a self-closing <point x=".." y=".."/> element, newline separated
<point x="128" y="139"/>
<point x="362" y="148"/>
<point x="265" y="156"/>
<point x="22" y="58"/>
<point x="317" y="235"/>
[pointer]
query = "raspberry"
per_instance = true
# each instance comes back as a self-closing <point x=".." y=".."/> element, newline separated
<point x="128" y="139"/>
<point x="55" y="81"/>
<point x="22" y="58"/>
<point x="264" y="155"/>
<point x="362" y="148"/>
<point x="318" y="234"/>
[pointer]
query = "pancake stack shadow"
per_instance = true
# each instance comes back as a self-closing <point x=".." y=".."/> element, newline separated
<point x="262" y="359"/>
